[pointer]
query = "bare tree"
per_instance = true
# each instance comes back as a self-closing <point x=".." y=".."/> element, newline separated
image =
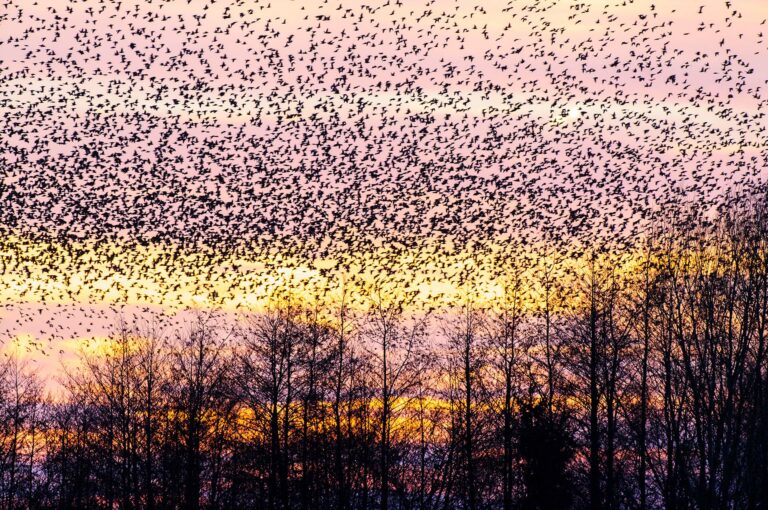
<point x="395" y="341"/>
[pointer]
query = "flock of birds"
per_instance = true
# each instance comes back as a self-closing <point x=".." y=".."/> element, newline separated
<point x="275" y="130"/>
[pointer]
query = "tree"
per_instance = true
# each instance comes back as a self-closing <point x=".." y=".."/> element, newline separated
<point x="395" y="342"/>
<point x="545" y="452"/>
<point x="199" y="402"/>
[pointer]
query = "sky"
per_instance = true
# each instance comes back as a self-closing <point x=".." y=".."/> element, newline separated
<point x="174" y="154"/>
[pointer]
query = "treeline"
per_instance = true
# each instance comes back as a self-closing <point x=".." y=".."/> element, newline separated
<point x="629" y="381"/>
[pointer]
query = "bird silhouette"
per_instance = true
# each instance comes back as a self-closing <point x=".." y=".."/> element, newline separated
<point x="149" y="147"/>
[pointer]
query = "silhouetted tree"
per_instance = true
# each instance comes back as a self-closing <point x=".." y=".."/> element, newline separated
<point x="545" y="451"/>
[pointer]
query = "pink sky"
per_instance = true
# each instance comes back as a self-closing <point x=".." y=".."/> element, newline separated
<point x="335" y="130"/>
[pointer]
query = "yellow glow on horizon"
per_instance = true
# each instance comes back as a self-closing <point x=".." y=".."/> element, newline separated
<point x="173" y="279"/>
<point x="22" y="346"/>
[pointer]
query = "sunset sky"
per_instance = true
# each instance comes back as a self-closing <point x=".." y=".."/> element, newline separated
<point x="175" y="154"/>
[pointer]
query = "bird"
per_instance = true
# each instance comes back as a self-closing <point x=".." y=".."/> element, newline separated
<point x="152" y="154"/>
